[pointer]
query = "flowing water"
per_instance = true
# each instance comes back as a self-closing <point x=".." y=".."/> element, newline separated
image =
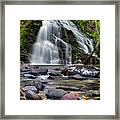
<point x="46" y="50"/>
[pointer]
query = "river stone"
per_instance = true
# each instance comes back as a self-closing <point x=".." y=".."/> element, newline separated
<point x="64" y="71"/>
<point x="35" y="73"/>
<point x="39" y="86"/>
<point x="43" y="71"/>
<point x="32" y="88"/>
<point x="71" y="96"/>
<point x="76" y="76"/>
<point x="42" y="94"/>
<point x="29" y="76"/>
<point x="54" y="73"/>
<point x="90" y="72"/>
<point x="55" y="93"/>
<point x="30" y="95"/>
<point x="83" y="71"/>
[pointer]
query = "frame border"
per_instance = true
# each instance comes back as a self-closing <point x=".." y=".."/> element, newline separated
<point x="69" y="2"/>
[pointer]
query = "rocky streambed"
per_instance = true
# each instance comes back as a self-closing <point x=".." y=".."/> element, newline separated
<point x="74" y="82"/>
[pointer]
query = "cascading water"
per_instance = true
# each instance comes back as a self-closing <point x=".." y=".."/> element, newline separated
<point x="85" y="44"/>
<point x="46" y="50"/>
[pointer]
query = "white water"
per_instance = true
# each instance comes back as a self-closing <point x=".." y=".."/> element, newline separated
<point x="45" y="49"/>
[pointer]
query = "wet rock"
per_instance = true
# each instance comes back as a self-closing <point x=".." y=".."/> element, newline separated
<point x="55" y="93"/>
<point x="25" y="68"/>
<point x="90" y="73"/>
<point x="29" y="76"/>
<point x="77" y="77"/>
<point x="42" y="95"/>
<point x="64" y="71"/>
<point x="54" y="73"/>
<point x="30" y="95"/>
<point x="39" y="86"/>
<point x="83" y="71"/>
<point x="51" y="77"/>
<point x="31" y="88"/>
<point x="43" y="71"/>
<point x="96" y="93"/>
<point x="71" y="96"/>
<point x="35" y="73"/>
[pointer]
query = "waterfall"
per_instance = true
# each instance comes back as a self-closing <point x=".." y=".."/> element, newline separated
<point x="85" y="44"/>
<point x="46" y="50"/>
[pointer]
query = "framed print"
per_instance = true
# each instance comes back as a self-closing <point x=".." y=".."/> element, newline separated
<point x="60" y="59"/>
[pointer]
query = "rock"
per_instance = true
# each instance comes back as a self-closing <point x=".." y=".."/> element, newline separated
<point x="25" y="68"/>
<point x="42" y="95"/>
<point x="55" y="93"/>
<point x="43" y="77"/>
<point x="71" y="96"/>
<point x="31" y="88"/>
<point x="64" y="71"/>
<point x="96" y="93"/>
<point x="29" y="76"/>
<point x="89" y="72"/>
<point x="77" y="77"/>
<point x="43" y="71"/>
<point x="30" y="95"/>
<point x="54" y="73"/>
<point x="51" y="77"/>
<point x="39" y="86"/>
<point x="35" y="73"/>
<point x="83" y="71"/>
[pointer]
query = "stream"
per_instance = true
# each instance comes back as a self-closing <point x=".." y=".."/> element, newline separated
<point x="73" y="82"/>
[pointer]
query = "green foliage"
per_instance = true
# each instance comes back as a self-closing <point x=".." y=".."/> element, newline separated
<point x="28" y="33"/>
<point x="90" y="29"/>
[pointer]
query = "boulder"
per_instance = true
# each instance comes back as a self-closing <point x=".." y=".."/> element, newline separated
<point x="55" y="93"/>
<point x="71" y="96"/>
<point x="31" y="88"/>
<point x="39" y="86"/>
<point x="54" y="73"/>
<point x="30" y="95"/>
